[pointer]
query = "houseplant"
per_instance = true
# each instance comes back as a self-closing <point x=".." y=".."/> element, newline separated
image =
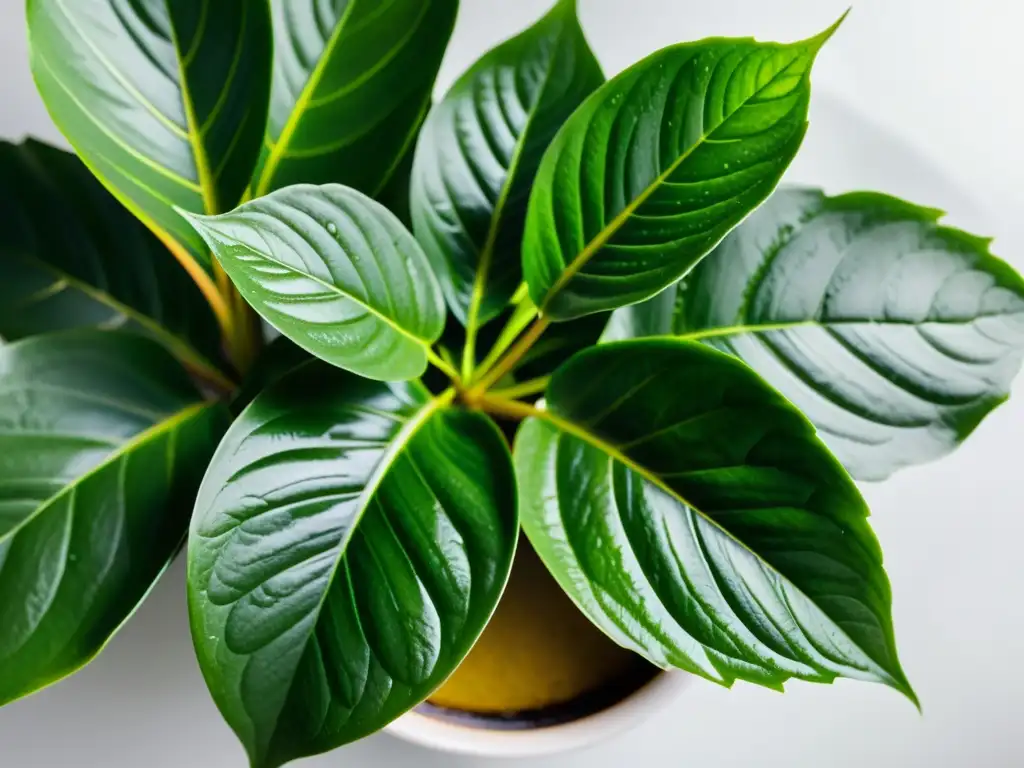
<point x="791" y="488"/>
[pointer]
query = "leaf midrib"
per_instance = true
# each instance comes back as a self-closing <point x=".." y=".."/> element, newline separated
<point x="394" y="451"/>
<point x="207" y="187"/>
<point x="302" y="103"/>
<point x="756" y="328"/>
<point x="170" y="423"/>
<point x="487" y="252"/>
<point x="425" y="343"/>
<point x="620" y="219"/>
<point x="181" y="346"/>
<point x="581" y="433"/>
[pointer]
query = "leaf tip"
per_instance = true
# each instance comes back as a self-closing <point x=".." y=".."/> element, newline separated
<point x="898" y="682"/>
<point x="907" y="691"/>
<point x="819" y="40"/>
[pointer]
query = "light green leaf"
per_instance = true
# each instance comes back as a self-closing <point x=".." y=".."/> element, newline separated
<point x="164" y="100"/>
<point x="894" y="334"/>
<point x="352" y="82"/>
<point x="693" y="515"/>
<point x="71" y="256"/>
<point x="658" y="165"/>
<point x="103" y="442"/>
<point x="349" y="544"/>
<point x="479" y="153"/>
<point x="336" y="273"/>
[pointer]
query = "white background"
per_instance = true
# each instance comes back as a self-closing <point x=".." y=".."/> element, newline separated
<point x="923" y="98"/>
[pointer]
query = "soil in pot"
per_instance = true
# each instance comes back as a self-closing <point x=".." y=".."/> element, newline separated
<point x="539" y="662"/>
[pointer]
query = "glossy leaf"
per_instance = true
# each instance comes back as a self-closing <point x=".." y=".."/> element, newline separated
<point x="692" y="514"/>
<point x="658" y="165"/>
<point x="350" y="542"/>
<point x="71" y="256"/>
<point x="164" y="101"/>
<point x="103" y="441"/>
<point x="895" y="335"/>
<point x="335" y="272"/>
<point x="479" y="153"/>
<point x="352" y="82"/>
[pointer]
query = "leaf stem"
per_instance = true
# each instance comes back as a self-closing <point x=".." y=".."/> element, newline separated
<point x="527" y="388"/>
<point x="508" y="362"/>
<point x="209" y="375"/>
<point x="509" y="409"/>
<point x="521" y="317"/>
<point x="469" y="349"/>
<point x="438" y="362"/>
<point x="247" y="340"/>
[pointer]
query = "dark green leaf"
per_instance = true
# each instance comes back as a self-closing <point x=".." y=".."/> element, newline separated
<point x="72" y="256"/>
<point x="350" y="542"/>
<point x="695" y="517"/>
<point x="395" y="194"/>
<point x="103" y="441"/>
<point x="164" y="101"/>
<point x="352" y="82"/>
<point x="335" y="272"/>
<point x="479" y="153"/>
<point x="658" y="165"/>
<point x="895" y="335"/>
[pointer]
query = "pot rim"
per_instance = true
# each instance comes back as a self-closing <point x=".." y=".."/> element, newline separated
<point x="435" y="732"/>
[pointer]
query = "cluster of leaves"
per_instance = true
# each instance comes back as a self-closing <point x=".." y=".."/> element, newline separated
<point x="543" y="255"/>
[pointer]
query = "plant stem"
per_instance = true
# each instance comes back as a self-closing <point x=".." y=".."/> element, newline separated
<point x="509" y="409"/>
<point x="531" y="387"/>
<point x="246" y="340"/>
<point x="438" y="362"/>
<point x="211" y="377"/>
<point x="519" y="349"/>
<point x="517" y="322"/>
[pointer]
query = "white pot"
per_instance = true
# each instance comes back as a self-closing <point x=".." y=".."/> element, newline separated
<point x="442" y="734"/>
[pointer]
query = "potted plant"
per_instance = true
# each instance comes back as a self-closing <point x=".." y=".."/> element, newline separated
<point x="549" y="302"/>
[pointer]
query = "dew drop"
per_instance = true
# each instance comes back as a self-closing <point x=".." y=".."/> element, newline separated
<point x="332" y="228"/>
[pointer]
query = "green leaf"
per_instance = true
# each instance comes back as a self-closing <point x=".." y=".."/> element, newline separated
<point x="72" y="256"/>
<point x="164" y="101"/>
<point x="335" y="272"/>
<point x="349" y="544"/>
<point x="895" y="335"/>
<point x="103" y="442"/>
<point x="352" y="82"/>
<point x="658" y="165"/>
<point x="479" y="154"/>
<point x="693" y="515"/>
<point x="395" y="194"/>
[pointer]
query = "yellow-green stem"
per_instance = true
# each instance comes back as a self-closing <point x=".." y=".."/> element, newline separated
<point x="521" y="317"/>
<point x="509" y="409"/>
<point x="448" y="370"/>
<point x="527" y="388"/>
<point x="508" y="362"/>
